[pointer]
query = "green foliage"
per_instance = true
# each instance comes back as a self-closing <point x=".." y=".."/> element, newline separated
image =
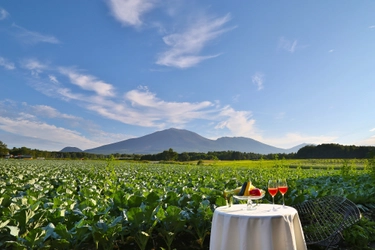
<point x="200" y="162"/>
<point x="171" y="223"/>
<point x="337" y="151"/>
<point x="372" y="167"/>
<point x="347" y="169"/>
<point x="360" y="234"/>
<point x="3" y="149"/>
<point x="108" y="204"/>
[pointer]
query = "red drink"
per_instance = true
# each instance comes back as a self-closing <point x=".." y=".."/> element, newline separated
<point x="283" y="190"/>
<point x="272" y="191"/>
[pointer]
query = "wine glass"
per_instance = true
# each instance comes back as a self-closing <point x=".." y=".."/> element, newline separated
<point x="272" y="190"/>
<point x="283" y="188"/>
<point x="228" y="196"/>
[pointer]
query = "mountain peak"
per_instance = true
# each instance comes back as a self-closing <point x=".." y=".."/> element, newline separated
<point x="71" y="149"/>
<point x="182" y="140"/>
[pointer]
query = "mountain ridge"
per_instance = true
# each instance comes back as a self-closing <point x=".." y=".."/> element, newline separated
<point x="182" y="140"/>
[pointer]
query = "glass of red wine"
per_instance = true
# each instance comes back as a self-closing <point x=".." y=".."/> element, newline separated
<point x="283" y="188"/>
<point x="273" y="188"/>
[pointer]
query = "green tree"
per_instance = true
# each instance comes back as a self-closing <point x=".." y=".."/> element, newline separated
<point x="3" y="149"/>
<point x="169" y="155"/>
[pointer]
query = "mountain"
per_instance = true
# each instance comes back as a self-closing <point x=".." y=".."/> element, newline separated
<point x="181" y="140"/>
<point x="71" y="149"/>
<point x="296" y="148"/>
<point x="177" y="139"/>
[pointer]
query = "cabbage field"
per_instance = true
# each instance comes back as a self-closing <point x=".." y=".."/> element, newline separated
<point x="128" y="205"/>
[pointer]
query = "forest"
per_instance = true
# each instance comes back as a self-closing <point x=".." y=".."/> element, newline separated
<point x="322" y="151"/>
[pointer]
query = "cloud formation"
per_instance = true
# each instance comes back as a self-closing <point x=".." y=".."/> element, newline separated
<point x="34" y="65"/>
<point x="88" y="82"/>
<point x="294" y="139"/>
<point x="185" y="47"/>
<point x="50" y="112"/>
<point x="3" y="14"/>
<point x="139" y="107"/>
<point x="44" y="131"/>
<point x="53" y="78"/>
<point x="26" y="122"/>
<point x="129" y="12"/>
<point x="6" y="64"/>
<point x="258" y="80"/>
<point x="287" y="45"/>
<point x="32" y="37"/>
<point x="31" y="127"/>
<point x="239" y="123"/>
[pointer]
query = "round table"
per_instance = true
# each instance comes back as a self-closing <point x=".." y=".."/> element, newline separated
<point x="237" y="228"/>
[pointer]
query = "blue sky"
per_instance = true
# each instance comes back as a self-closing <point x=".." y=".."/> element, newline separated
<point x="88" y="73"/>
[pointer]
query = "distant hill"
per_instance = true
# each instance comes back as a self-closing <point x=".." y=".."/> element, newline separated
<point x="70" y="149"/>
<point x="296" y="148"/>
<point x="181" y="140"/>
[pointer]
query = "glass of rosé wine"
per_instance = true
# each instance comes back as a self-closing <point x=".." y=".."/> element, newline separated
<point x="272" y="190"/>
<point x="283" y="188"/>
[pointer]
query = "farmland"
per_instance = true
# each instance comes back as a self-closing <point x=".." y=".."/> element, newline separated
<point x="128" y="205"/>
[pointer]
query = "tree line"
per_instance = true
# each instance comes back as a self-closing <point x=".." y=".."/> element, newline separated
<point x="170" y="155"/>
<point x="335" y="151"/>
<point x="322" y="151"/>
<point x="36" y="153"/>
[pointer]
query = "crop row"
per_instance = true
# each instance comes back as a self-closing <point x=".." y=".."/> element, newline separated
<point x="107" y="205"/>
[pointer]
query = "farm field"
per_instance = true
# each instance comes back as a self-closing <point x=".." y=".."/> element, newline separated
<point x="128" y="205"/>
<point x="294" y="163"/>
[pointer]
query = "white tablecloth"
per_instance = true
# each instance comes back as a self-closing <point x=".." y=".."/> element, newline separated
<point x="236" y="228"/>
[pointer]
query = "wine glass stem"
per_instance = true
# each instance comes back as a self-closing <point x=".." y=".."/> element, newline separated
<point x="283" y="201"/>
<point x="273" y="202"/>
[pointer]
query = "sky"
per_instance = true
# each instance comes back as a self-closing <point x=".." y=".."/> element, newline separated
<point x="93" y="72"/>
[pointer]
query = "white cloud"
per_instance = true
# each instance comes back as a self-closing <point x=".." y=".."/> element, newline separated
<point x="50" y="112"/>
<point x="184" y="48"/>
<point x="6" y="64"/>
<point x="330" y="51"/>
<point x="138" y="107"/>
<point x="25" y="127"/>
<point x="287" y="45"/>
<point x="34" y="66"/>
<point x="370" y="141"/>
<point x="88" y="82"/>
<point x="129" y="12"/>
<point x="53" y="79"/>
<point x="372" y="27"/>
<point x="3" y="14"/>
<point x="142" y="108"/>
<point x="32" y="37"/>
<point x="235" y="98"/>
<point x="44" y="131"/>
<point x="174" y="112"/>
<point x="239" y="123"/>
<point x="258" y="79"/>
<point x="293" y="139"/>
